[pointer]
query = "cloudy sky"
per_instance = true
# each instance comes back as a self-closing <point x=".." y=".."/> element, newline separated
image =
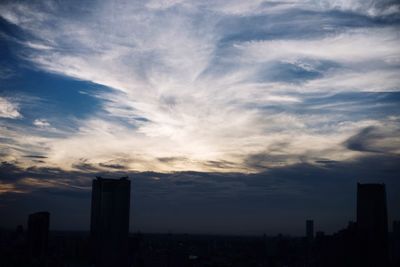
<point x="214" y="108"/>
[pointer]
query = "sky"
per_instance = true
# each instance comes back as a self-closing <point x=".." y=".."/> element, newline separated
<point x="242" y="117"/>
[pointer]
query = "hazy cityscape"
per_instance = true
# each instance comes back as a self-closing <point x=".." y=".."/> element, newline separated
<point x="365" y="242"/>
<point x="199" y="133"/>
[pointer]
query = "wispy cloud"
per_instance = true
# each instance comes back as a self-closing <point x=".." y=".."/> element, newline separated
<point x="215" y="85"/>
<point x="9" y="109"/>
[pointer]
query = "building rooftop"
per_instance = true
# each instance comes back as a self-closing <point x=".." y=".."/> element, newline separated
<point x="112" y="179"/>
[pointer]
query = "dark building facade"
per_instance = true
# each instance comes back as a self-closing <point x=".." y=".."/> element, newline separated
<point x="396" y="228"/>
<point x="372" y="225"/>
<point x="38" y="234"/>
<point x="110" y="221"/>
<point x="309" y="244"/>
<point x="396" y="243"/>
<point x="310" y="230"/>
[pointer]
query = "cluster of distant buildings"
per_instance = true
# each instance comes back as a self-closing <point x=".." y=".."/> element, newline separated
<point x="109" y="227"/>
<point x="364" y="243"/>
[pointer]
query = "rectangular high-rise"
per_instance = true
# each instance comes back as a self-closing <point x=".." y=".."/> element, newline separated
<point x="110" y="221"/>
<point x="372" y="224"/>
<point x="38" y="233"/>
<point x="396" y="242"/>
<point x="396" y="229"/>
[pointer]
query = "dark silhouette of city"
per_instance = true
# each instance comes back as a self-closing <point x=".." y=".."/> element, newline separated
<point x="365" y="242"/>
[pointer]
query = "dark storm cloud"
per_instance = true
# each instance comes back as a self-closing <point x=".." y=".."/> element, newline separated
<point x="362" y="140"/>
<point x="326" y="162"/>
<point x="12" y="173"/>
<point x="375" y="139"/>
<point x="84" y="166"/>
<point x="264" y="160"/>
<point x="220" y="164"/>
<point x="7" y="170"/>
<point x="112" y="166"/>
<point x="171" y="159"/>
<point x="36" y="156"/>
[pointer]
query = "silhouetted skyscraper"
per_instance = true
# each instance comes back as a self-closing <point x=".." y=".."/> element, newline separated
<point x="310" y="230"/>
<point x="372" y="224"/>
<point x="396" y="228"/>
<point x="396" y="243"/>
<point x="110" y="221"/>
<point x="38" y="233"/>
<point x="309" y="241"/>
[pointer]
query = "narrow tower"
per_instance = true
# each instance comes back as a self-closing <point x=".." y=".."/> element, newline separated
<point x="310" y="230"/>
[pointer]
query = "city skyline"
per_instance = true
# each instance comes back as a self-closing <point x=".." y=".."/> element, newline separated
<point x="113" y="213"/>
<point x="110" y="205"/>
<point x="244" y="117"/>
<point x="366" y="242"/>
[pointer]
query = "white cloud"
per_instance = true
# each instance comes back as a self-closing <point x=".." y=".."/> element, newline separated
<point x="41" y="123"/>
<point x="368" y="7"/>
<point x="351" y="47"/>
<point x="177" y="91"/>
<point x="20" y="141"/>
<point x="9" y="109"/>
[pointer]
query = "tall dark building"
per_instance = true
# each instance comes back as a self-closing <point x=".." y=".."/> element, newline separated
<point x="38" y="233"/>
<point x="396" y="243"/>
<point x="396" y="228"/>
<point x="310" y="230"/>
<point x="309" y="241"/>
<point x="110" y="221"/>
<point x="372" y="225"/>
